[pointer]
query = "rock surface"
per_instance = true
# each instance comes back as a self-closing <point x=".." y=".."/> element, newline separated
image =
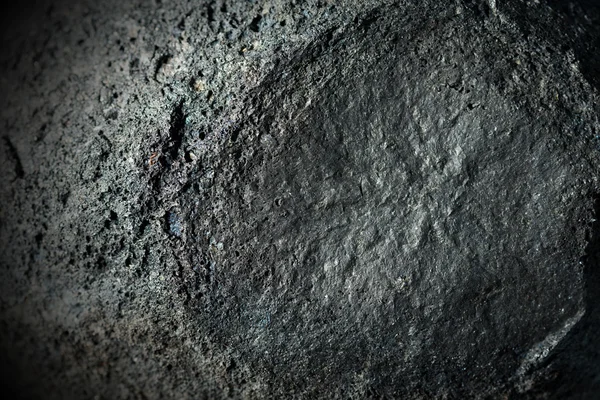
<point x="354" y="199"/>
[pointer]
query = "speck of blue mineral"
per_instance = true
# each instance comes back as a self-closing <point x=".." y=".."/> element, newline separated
<point x="174" y="224"/>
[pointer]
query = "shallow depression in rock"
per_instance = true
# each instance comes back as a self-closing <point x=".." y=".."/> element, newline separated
<point x="400" y="222"/>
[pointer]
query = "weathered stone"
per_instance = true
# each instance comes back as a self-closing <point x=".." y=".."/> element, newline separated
<point x="267" y="200"/>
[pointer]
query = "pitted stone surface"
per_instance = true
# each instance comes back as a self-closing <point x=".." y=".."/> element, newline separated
<point x="359" y="199"/>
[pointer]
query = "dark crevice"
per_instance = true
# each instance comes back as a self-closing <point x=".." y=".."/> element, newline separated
<point x="254" y="24"/>
<point x="14" y="158"/>
<point x="366" y="22"/>
<point x="479" y="8"/>
<point x="162" y="60"/>
<point x="176" y="130"/>
<point x="143" y="227"/>
<point x="145" y="257"/>
<point x="210" y="13"/>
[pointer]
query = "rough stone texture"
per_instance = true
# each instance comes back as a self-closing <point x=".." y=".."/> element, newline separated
<point x="307" y="199"/>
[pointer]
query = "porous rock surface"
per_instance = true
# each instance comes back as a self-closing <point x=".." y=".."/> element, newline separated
<point x="354" y="199"/>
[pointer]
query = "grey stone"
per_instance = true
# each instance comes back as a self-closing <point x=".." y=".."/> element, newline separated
<point x="360" y="199"/>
